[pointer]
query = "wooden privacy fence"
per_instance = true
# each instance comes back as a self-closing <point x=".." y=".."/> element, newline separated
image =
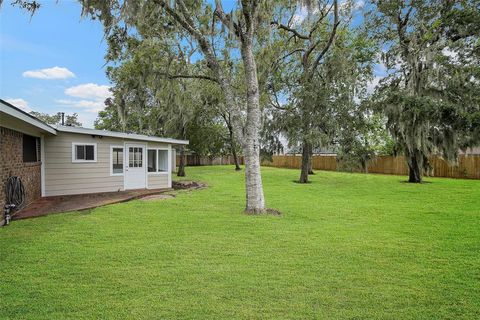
<point x="328" y="163"/>
<point x="196" y="160"/>
<point x="467" y="166"/>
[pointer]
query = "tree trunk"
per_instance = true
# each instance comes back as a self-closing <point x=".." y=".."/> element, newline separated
<point x="233" y="147"/>
<point x="235" y="159"/>
<point x="251" y="145"/>
<point x="250" y="133"/>
<point x="306" y="162"/>
<point x="121" y="114"/>
<point x="181" y="165"/>
<point x="310" y="164"/>
<point x="414" y="169"/>
<point x="365" y="165"/>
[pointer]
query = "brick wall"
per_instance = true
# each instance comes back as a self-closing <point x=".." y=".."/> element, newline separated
<point x="11" y="164"/>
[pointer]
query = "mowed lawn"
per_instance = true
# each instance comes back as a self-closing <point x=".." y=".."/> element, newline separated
<point x="348" y="246"/>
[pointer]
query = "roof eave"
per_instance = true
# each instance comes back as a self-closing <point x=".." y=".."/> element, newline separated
<point x="123" y="135"/>
<point x="13" y="111"/>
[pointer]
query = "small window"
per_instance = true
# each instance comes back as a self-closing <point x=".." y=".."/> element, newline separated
<point x="117" y="160"/>
<point x="163" y="160"/>
<point x="157" y="160"/>
<point x="135" y="157"/>
<point x="31" y="148"/>
<point x="130" y="157"/>
<point x="138" y="157"/>
<point x="152" y="160"/>
<point x="84" y="152"/>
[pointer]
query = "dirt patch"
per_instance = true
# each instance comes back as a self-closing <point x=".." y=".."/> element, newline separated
<point x="185" y="184"/>
<point x="158" y="197"/>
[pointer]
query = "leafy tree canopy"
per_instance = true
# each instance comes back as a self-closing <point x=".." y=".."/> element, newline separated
<point x="54" y="119"/>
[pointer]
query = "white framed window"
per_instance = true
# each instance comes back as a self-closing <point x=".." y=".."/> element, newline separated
<point x="135" y="157"/>
<point x="157" y="161"/>
<point x="152" y="160"/>
<point x="162" y="160"/>
<point x="116" y="160"/>
<point x="84" y="152"/>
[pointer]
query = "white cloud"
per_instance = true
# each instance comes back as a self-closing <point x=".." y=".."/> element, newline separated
<point x="302" y="13"/>
<point x="299" y="16"/>
<point x="20" y="103"/>
<point x="451" y="54"/>
<point x="89" y="91"/>
<point x="359" y="4"/>
<point x="91" y="100"/>
<point x="371" y="85"/>
<point x="49" y="73"/>
<point x="351" y="5"/>
<point x="87" y="105"/>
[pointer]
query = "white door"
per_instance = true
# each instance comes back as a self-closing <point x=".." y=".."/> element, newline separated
<point x="135" y="172"/>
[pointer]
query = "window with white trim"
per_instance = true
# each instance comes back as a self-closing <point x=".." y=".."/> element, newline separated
<point x="152" y="160"/>
<point x="31" y="148"/>
<point x="117" y="160"/>
<point x="163" y="160"/>
<point x="84" y="152"/>
<point x="135" y="157"/>
<point x="157" y="160"/>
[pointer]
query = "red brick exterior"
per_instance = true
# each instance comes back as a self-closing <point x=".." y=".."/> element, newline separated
<point x="11" y="164"/>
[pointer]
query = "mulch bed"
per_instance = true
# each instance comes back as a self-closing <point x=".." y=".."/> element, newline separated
<point x="185" y="184"/>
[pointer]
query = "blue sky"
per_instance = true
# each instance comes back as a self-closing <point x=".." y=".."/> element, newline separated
<point x="53" y="61"/>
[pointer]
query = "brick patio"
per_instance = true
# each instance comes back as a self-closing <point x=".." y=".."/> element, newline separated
<point x="57" y="204"/>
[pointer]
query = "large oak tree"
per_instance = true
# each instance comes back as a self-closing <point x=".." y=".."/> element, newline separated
<point x="430" y="94"/>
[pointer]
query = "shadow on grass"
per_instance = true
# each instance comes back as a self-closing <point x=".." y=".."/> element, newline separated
<point x="415" y="183"/>
<point x="298" y="182"/>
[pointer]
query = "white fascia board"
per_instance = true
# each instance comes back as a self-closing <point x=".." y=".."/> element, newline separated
<point x="26" y="118"/>
<point x="123" y="135"/>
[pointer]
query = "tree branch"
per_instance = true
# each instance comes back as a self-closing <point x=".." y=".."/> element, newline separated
<point x="226" y="19"/>
<point x="188" y="76"/>
<point x="276" y="62"/>
<point x="287" y="28"/>
<point x="336" y="22"/>
<point x="206" y="47"/>
<point x="249" y="9"/>
<point x="402" y="23"/>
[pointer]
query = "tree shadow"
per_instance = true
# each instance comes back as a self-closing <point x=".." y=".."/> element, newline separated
<point x="413" y="183"/>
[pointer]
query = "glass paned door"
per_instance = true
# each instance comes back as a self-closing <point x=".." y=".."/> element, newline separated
<point x="135" y="173"/>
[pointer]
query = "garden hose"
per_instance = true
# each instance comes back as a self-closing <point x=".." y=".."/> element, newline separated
<point x="14" y="197"/>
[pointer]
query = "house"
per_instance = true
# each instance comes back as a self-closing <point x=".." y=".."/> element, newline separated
<point x="471" y="151"/>
<point x="66" y="160"/>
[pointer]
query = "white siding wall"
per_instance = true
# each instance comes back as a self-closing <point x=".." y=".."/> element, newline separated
<point x="62" y="177"/>
<point x="174" y="160"/>
<point x="158" y="181"/>
<point x="474" y="150"/>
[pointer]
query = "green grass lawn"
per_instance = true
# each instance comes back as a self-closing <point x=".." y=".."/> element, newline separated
<point x="348" y="246"/>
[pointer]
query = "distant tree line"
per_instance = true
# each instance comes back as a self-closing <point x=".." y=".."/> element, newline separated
<point x="56" y="119"/>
